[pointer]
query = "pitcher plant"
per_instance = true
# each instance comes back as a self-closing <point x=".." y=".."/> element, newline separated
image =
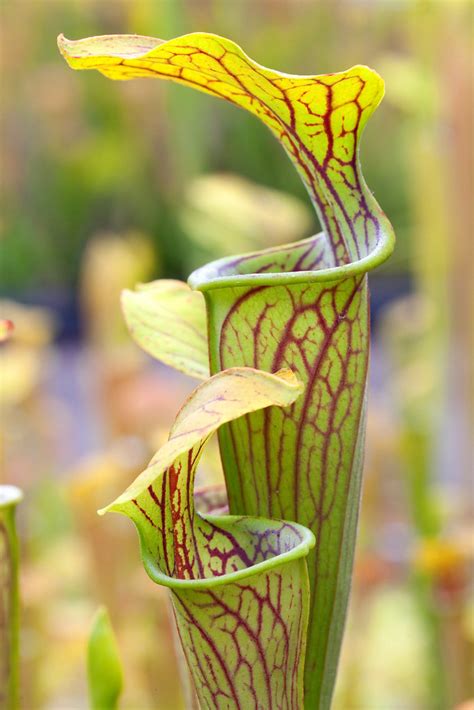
<point x="302" y="307"/>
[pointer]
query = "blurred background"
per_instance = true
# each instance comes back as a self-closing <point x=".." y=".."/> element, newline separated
<point x="105" y="184"/>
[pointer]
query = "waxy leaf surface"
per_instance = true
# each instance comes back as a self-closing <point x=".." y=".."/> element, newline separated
<point x="239" y="585"/>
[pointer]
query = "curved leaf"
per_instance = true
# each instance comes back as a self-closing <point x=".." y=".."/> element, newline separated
<point x="168" y="321"/>
<point x="226" y="396"/>
<point x="317" y="119"/>
<point x="239" y="585"/>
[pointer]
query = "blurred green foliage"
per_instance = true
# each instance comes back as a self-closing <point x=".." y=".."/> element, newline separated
<point x="82" y="155"/>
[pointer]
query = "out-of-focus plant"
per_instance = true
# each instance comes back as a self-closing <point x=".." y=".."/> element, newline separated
<point x="420" y="342"/>
<point x="22" y="354"/>
<point x="302" y="306"/>
<point x="239" y="585"/>
<point x="10" y="496"/>
<point x="129" y="258"/>
<point x="111" y="260"/>
<point x="104" y="668"/>
<point x="6" y="329"/>
<point x="95" y="479"/>
<point x="224" y="212"/>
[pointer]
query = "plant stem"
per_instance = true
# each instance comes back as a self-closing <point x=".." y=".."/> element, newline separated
<point x="9" y="599"/>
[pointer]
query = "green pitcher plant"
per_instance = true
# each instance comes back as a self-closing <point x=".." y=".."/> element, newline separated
<point x="240" y="586"/>
<point x="10" y="496"/>
<point x="302" y="306"/>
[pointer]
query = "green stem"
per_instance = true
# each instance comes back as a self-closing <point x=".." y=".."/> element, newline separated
<point x="436" y="678"/>
<point x="416" y="448"/>
<point x="9" y="599"/>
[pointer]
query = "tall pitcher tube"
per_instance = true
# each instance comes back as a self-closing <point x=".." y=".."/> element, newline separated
<point x="302" y="463"/>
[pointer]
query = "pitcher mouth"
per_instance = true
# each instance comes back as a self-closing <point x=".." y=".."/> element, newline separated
<point x="303" y="542"/>
<point x="223" y="273"/>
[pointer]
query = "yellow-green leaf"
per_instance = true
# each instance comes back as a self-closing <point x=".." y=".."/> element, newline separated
<point x="226" y="396"/>
<point x="318" y="119"/>
<point x="168" y="320"/>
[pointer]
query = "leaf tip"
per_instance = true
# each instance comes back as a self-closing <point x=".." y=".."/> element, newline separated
<point x="62" y="43"/>
<point x="375" y="83"/>
<point x="105" y="509"/>
<point x="103" y="663"/>
<point x="289" y="377"/>
<point x="116" y="505"/>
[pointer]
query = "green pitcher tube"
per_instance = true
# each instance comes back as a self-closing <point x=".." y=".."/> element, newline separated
<point x="303" y="463"/>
